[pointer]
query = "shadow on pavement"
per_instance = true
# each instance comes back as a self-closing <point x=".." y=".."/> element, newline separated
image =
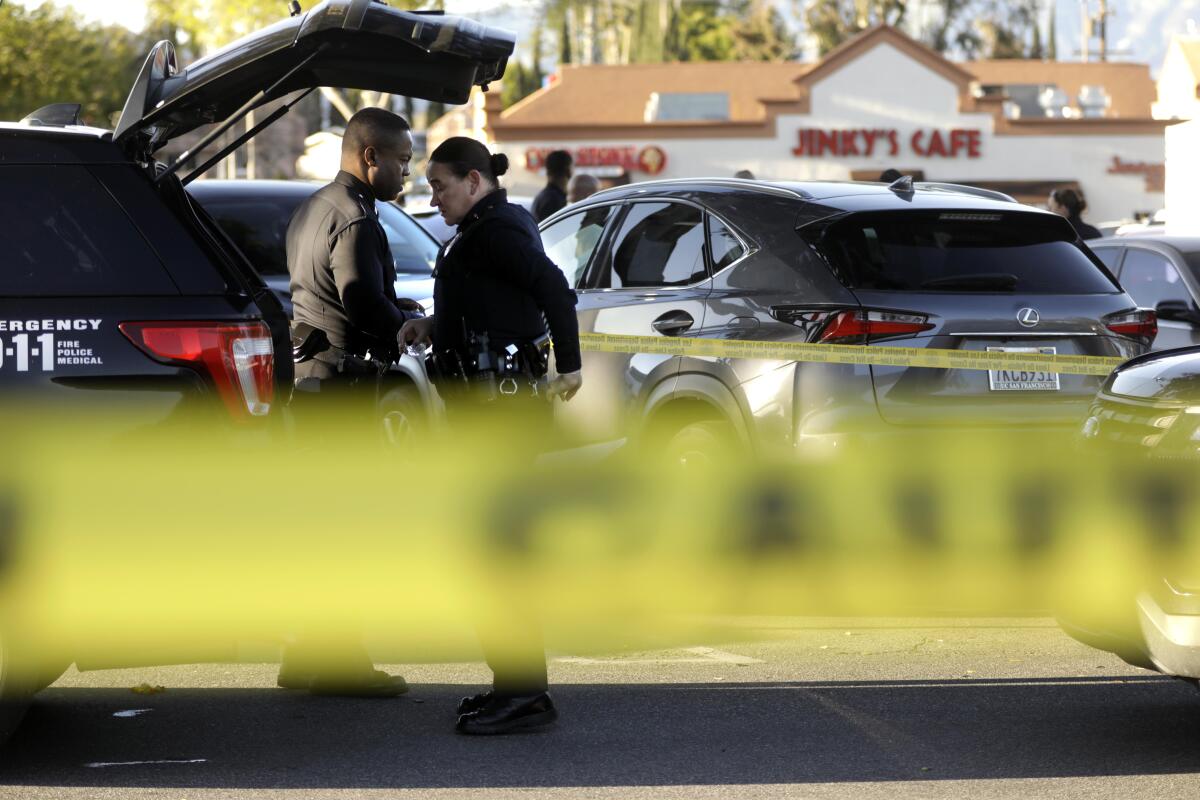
<point x="617" y="735"/>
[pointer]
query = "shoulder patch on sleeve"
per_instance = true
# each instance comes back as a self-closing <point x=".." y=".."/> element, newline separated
<point x="341" y="228"/>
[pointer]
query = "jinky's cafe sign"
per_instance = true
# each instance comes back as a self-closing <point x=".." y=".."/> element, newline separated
<point x="923" y="142"/>
<point x="650" y="159"/>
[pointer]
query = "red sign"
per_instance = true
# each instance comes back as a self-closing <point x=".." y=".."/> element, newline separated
<point x="1154" y="173"/>
<point x="927" y="143"/>
<point x="651" y="159"/>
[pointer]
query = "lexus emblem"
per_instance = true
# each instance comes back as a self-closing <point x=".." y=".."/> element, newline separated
<point x="1029" y="317"/>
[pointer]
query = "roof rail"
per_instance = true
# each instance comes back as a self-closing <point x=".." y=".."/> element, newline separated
<point x="990" y="194"/>
<point x="763" y="186"/>
<point x="55" y="115"/>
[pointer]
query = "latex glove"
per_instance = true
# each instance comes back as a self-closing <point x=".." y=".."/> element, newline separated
<point x="416" y="331"/>
<point x="566" y="385"/>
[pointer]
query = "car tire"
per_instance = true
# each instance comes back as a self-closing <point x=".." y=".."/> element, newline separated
<point x="402" y="414"/>
<point x="701" y="444"/>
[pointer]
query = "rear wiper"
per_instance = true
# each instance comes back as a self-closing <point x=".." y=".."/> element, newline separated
<point x="996" y="281"/>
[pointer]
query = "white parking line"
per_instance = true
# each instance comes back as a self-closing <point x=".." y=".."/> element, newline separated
<point x="133" y="712"/>
<point x="962" y="684"/>
<point x="100" y="764"/>
<point x="707" y="655"/>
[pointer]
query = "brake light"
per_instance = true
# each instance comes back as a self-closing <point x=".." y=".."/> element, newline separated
<point x="238" y="357"/>
<point x="1139" y="324"/>
<point x="862" y="325"/>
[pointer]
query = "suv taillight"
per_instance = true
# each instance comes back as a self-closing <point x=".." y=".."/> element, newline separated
<point x="862" y="325"/>
<point x="238" y="357"/>
<point x="852" y="326"/>
<point x="1139" y="324"/>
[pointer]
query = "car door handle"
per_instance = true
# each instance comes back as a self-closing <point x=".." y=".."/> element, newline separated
<point x="673" y="323"/>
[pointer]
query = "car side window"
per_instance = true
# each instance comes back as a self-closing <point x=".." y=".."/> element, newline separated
<point x="725" y="247"/>
<point x="659" y="244"/>
<point x="570" y="242"/>
<point x="1111" y="256"/>
<point x="259" y="229"/>
<point x="63" y="235"/>
<point x="413" y="251"/>
<point x="1150" y="278"/>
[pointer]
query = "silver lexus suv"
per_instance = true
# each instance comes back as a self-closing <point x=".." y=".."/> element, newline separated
<point x="924" y="266"/>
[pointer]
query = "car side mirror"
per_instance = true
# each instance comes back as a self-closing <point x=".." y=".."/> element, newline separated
<point x="1178" y="311"/>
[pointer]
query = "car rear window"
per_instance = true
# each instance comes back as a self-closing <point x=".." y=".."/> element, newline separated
<point x="258" y="226"/>
<point x="952" y="251"/>
<point x="414" y="251"/>
<point x="63" y="235"/>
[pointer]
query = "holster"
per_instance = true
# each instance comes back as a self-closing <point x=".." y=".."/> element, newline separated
<point x="307" y="342"/>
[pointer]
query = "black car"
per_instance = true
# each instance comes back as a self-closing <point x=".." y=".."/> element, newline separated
<point x="1146" y="417"/>
<point x="255" y="215"/>
<point x="116" y="285"/>
<point x="1150" y="406"/>
<point x="914" y="266"/>
<point x="1163" y="273"/>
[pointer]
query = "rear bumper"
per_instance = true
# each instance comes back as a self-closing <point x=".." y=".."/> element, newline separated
<point x="1171" y="640"/>
<point x="1153" y="637"/>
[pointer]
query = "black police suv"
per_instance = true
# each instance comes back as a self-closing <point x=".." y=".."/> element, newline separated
<point x="116" y="285"/>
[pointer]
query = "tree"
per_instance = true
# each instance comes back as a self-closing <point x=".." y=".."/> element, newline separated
<point x="1010" y="29"/>
<point x="948" y="34"/>
<point x="699" y="32"/>
<point x="520" y="81"/>
<point x="49" y="55"/>
<point x="832" y="22"/>
<point x="656" y="31"/>
<point x="759" y="32"/>
<point x="963" y="28"/>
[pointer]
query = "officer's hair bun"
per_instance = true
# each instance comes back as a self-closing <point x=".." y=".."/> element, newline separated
<point x="499" y="163"/>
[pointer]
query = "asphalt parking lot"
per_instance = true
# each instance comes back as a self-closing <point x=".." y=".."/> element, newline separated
<point x="800" y="708"/>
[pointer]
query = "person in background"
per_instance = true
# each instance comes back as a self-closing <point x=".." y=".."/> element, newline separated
<point x="582" y="186"/>
<point x="1070" y="204"/>
<point x="744" y="174"/>
<point x="554" y="196"/>
<point x="890" y="175"/>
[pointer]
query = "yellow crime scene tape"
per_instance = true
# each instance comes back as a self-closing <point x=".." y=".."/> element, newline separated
<point x="849" y="354"/>
<point x="133" y="536"/>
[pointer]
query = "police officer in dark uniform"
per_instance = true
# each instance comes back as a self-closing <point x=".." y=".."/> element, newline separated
<point x="344" y="334"/>
<point x="495" y="293"/>
<point x="342" y="272"/>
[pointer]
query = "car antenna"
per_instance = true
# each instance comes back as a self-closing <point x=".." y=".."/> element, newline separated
<point x="902" y="185"/>
<point x="293" y="8"/>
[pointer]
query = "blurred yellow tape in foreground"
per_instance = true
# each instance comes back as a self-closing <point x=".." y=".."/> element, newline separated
<point x="848" y="354"/>
<point x="129" y="537"/>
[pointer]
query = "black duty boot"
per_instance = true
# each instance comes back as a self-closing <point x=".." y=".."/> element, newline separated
<point x="370" y="683"/>
<point x="505" y="714"/>
<point x="475" y="702"/>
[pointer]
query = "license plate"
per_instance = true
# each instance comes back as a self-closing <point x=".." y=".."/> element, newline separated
<point x="1020" y="380"/>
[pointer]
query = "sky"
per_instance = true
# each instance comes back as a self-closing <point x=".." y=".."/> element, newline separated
<point x="1140" y="29"/>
